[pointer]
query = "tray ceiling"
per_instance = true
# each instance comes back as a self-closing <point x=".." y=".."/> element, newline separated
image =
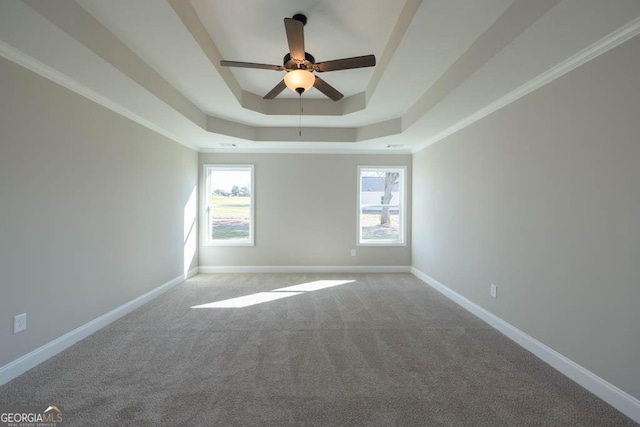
<point x="441" y="64"/>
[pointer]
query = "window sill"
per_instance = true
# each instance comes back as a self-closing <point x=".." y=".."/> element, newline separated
<point x="382" y="244"/>
<point x="228" y="244"/>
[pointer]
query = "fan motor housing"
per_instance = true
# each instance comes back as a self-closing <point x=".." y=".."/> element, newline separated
<point x="300" y="17"/>
<point x="291" y="64"/>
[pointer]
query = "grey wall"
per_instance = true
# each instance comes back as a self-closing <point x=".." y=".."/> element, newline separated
<point x="542" y="198"/>
<point x="91" y="209"/>
<point x="305" y="212"/>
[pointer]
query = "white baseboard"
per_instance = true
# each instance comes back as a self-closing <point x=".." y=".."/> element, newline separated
<point x="307" y="269"/>
<point x="39" y="355"/>
<point x="192" y="272"/>
<point x="619" y="399"/>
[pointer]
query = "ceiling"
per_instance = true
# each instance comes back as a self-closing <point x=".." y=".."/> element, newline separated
<point x="441" y="64"/>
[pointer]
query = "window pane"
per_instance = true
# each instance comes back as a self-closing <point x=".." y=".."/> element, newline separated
<point x="373" y="227"/>
<point x="381" y="198"/>
<point x="230" y="217"/>
<point x="229" y="204"/>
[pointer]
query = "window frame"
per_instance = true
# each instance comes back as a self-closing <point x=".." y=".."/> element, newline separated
<point x="402" y="205"/>
<point x="207" y="204"/>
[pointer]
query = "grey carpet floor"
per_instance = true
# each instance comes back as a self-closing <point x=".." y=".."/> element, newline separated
<point x="382" y="350"/>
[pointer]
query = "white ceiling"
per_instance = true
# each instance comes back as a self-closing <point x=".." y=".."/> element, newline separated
<point x="441" y="64"/>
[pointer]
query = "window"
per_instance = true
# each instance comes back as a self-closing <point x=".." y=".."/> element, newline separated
<point x="229" y="204"/>
<point x="381" y="205"/>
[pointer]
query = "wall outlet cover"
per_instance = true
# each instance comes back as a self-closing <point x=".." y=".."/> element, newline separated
<point x="19" y="323"/>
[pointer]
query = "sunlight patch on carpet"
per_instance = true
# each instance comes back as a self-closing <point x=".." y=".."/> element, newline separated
<point x="313" y="286"/>
<point x="276" y="294"/>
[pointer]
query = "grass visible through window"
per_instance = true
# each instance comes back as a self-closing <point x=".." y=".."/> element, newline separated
<point x="230" y="217"/>
<point x="373" y="230"/>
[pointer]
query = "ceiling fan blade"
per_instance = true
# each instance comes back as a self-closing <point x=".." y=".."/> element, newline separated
<point x="276" y="90"/>
<point x="346" y="63"/>
<point x="327" y="89"/>
<point x="251" y="65"/>
<point x="295" y="37"/>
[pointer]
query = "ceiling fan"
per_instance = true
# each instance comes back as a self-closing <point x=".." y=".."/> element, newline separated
<point x="301" y="65"/>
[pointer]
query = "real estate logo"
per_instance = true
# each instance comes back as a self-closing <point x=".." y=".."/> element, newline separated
<point x="31" y="416"/>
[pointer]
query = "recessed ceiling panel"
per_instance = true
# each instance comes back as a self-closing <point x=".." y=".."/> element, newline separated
<point x="253" y="31"/>
<point x="441" y="63"/>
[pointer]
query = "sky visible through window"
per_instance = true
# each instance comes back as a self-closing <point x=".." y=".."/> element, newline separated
<point x="226" y="180"/>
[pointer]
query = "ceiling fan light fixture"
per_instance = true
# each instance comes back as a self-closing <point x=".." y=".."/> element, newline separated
<point x="299" y="80"/>
<point x="300" y="64"/>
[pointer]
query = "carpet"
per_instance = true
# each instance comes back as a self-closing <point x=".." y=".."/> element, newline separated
<point x="322" y="350"/>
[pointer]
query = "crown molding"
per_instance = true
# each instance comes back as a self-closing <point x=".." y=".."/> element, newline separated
<point x="65" y="81"/>
<point x="615" y="38"/>
<point x="249" y="150"/>
<point x="251" y="101"/>
<point x="214" y="125"/>
<point x="348" y="136"/>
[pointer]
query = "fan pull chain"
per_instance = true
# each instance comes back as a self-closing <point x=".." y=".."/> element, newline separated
<point x="300" y="118"/>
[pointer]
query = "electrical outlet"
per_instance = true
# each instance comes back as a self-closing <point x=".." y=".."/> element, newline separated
<point x="494" y="291"/>
<point x="19" y="323"/>
<point x="353" y="252"/>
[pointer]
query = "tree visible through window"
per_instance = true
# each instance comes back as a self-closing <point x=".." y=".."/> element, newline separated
<point x="229" y="204"/>
<point x="381" y="201"/>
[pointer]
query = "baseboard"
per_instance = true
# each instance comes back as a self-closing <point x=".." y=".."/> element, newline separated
<point x="192" y="272"/>
<point x="307" y="269"/>
<point x="619" y="399"/>
<point x="39" y="355"/>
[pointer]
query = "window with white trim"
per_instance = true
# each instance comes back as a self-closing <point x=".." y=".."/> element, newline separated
<point x="229" y="204"/>
<point x="382" y="205"/>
